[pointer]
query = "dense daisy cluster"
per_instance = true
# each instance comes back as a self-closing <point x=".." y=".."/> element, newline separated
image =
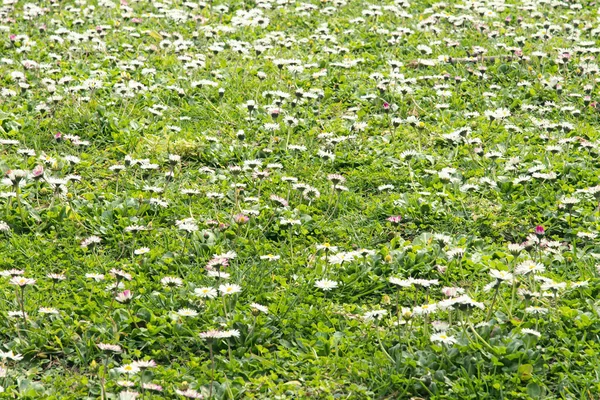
<point x="299" y="199"/>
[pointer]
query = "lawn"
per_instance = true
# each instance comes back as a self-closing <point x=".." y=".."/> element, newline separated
<point x="280" y="199"/>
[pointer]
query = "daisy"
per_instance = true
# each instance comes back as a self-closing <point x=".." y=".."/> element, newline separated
<point x="57" y="277"/>
<point x="401" y="282"/>
<point x="96" y="277"/>
<point x="152" y="386"/>
<point x="340" y="258"/>
<point x="326" y="284"/>
<point x="466" y="301"/>
<point x="533" y="332"/>
<point x="501" y="275"/>
<point x="48" y="310"/>
<point x="189" y="393"/>
<point x="171" y="281"/>
<point x="374" y="315"/>
<point x="130" y="369"/>
<point x="218" y="274"/>
<point x="327" y="247"/>
<point x="529" y="266"/>
<point x="259" y="307"/>
<point x="11" y="355"/>
<point x="144" y="363"/>
<point x="205" y="292"/>
<point x="440" y="326"/>
<point x="452" y="291"/>
<point x="21" y="281"/>
<point x="443" y="338"/>
<point x="124" y="296"/>
<point x="425" y="309"/>
<point x="229" y="289"/>
<point x="120" y="274"/>
<point x="11" y="272"/>
<point x="90" y="241"/>
<point x="536" y="310"/>
<point x="110" y="347"/>
<point x="212" y="334"/>
<point x="395" y="219"/>
<point x="187" y="312"/>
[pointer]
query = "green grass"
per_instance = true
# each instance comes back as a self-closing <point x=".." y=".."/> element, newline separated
<point x="409" y="139"/>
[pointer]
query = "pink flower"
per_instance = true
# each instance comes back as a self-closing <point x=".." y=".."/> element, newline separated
<point x="395" y="219"/>
<point x="124" y="297"/>
<point x="37" y="172"/>
<point x="539" y="230"/>
<point x="241" y="219"/>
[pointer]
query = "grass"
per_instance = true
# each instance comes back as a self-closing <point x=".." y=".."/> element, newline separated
<point x="276" y="199"/>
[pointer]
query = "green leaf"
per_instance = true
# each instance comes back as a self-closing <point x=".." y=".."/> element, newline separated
<point x="534" y="390"/>
<point x="525" y="371"/>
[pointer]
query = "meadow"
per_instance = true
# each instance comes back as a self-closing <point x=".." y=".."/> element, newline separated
<point x="282" y="199"/>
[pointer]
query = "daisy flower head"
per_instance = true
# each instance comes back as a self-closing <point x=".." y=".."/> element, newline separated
<point x="187" y="312"/>
<point x="425" y="309"/>
<point x="124" y="297"/>
<point x="144" y="363"/>
<point x="212" y="334"/>
<point x="10" y="355"/>
<point x="533" y="332"/>
<point x="401" y="282"/>
<point x="326" y="284"/>
<point x="129" y="369"/>
<point x="120" y="274"/>
<point x="536" y="310"/>
<point x="229" y="289"/>
<point x="395" y="219"/>
<point x="375" y="315"/>
<point x="189" y="393"/>
<point x="539" y="230"/>
<point x="440" y="326"/>
<point x="466" y="302"/>
<point x="11" y="272"/>
<point x="128" y="395"/>
<point x="501" y="275"/>
<point x="218" y="274"/>
<point x="443" y="338"/>
<point x="205" y="292"/>
<point x="270" y="257"/>
<point x="529" y="266"/>
<point x="141" y="250"/>
<point x="336" y="179"/>
<point x="57" y="277"/>
<point x="90" y="241"/>
<point x="152" y="386"/>
<point x="259" y="308"/>
<point x="327" y="247"/>
<point x="94" y="276"/>
<point x="110" y="347"/>
<point x="171" y="281"/>
<point x="452" y="291"/>
<point x="48" y="310"/>
<point x="18" y="314"/>
<point x="21" y="281"/>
